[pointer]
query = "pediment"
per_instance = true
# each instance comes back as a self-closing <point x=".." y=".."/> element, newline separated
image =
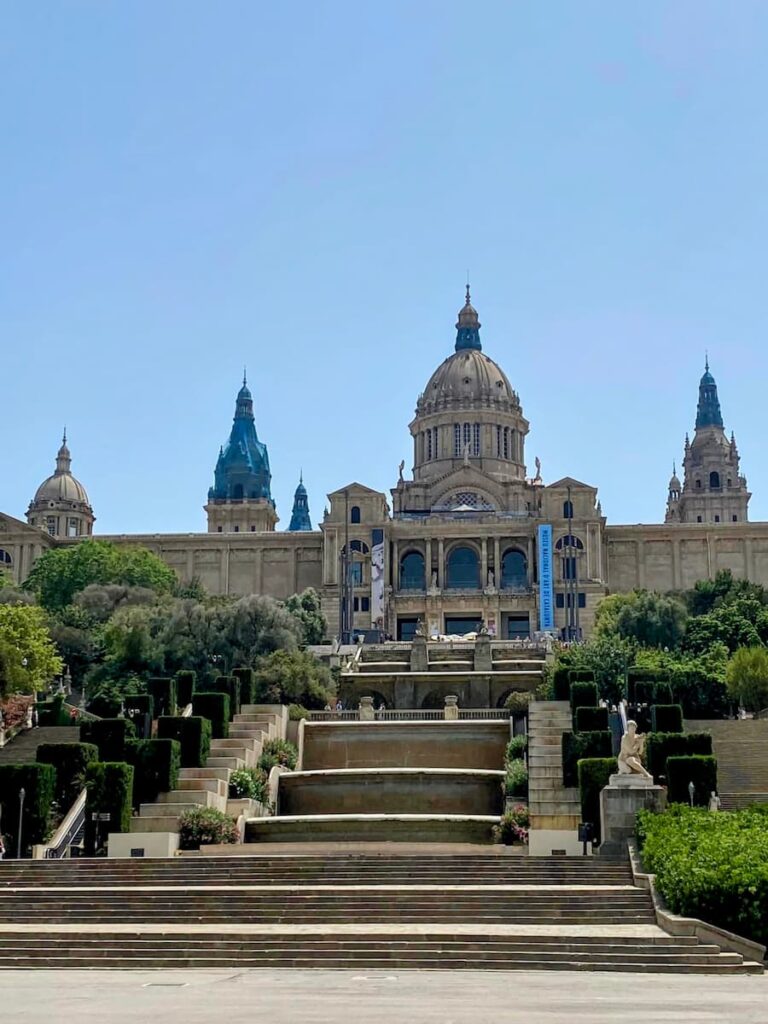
<point x="355" y="488"/>
<point x="569" y="481"/>
<point x="8" y="524"/>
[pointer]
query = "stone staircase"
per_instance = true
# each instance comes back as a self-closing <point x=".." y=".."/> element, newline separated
<point x="22" y="749"/>
<point x="434" y="911"/>
<point x="554" y="809"/>
<point x="209" y="786"/>
<point x="741" y="749"/>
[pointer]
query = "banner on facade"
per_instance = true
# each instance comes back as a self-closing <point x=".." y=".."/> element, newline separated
<point x="377" y="578"/>
<point x="546" y="589"/>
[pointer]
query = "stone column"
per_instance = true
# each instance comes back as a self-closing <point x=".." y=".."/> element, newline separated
<point x="451" y="709"/>
<point x="441" y="561"/>
<point x="395" y="565"/>
<point x="419" y="659"/>
<point x="497" y="561"/>
<point x="427" y="562"/>
<point x="483" y="563"/>
<point x="483" y="653"/>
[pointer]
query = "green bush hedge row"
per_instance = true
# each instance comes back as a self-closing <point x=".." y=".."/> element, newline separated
<point x="214" y="707"/>
<point x="583" y="694"/>
<point x="593" y="775"/>
<point x="109" y="735"/>
<point x="156" y="765"/>
<point x="70" y="762"/>
<point x="666" y="718"/>
<point x="561" y="684"/>
<point x="52" y="712"/>
<point x="186" y="683"/>
<point x="194" y="735"/>
<point x="229" y="685"/>
<point x="699" y="769"/>
<point x="711" y="866"/>
<point x="164" y="693"/>
<point x="590" y="719"/>
<point x="110" y="791"/>
<point x="661" y="745"/>
<point x="576" y="746"/>
<point x="247" y="685"/>
<point x="139" y="704"/>
<point x="39" y="784"/>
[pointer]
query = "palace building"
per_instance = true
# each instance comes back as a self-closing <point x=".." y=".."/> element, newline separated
<point x="469" y="537"/>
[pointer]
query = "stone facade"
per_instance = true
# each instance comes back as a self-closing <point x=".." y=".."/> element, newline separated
<point x="457" y="542"/>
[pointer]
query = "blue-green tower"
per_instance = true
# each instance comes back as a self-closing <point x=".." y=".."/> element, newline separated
<point x="300" y="520"/>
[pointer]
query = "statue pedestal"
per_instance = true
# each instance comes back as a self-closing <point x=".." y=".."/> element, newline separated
<point x="483" y="660"/>
<point x="419" y="658"/>
<point x="620" y="801"/>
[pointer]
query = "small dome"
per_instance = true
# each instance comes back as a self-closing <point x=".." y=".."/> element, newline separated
<point x="674" y="482"/>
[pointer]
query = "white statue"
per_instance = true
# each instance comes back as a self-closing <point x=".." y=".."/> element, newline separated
<point x="714" y="802"/>
<point x="491" y="580"/>
<point x="433" y="580"/>
<point x="466" y="454"/>
<point x="631" y="752"/>
<point x="537" y="463"/>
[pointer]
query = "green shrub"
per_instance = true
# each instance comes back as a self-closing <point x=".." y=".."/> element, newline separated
<point x="156" y="765"/>
<point x="109" y="735"/>
<point x="110" y="791"/>
<point x="164" y="693"/>
<point x="249" y="782"/>
<point x="52" y="712"/>
<point x="278" y="752"/>
<point x="699" y="769"/>
<point x="513" y="827"/>
<point x="186" y="682"/>
<point x="591" y="719"/>
<point x="646" y="677"/>
<point x="104" y="705"/>
<point x="39" y="784"/>
<point x="661" y="745"/>
<point x="516" y="749"/>
<point x="296" y="712"/>
<point x="517" y="702"/>
<point x="203" y="826"/>
<point x="516" y="780"/>
<point x="561" y="683"/>
<point x="230" y="685"/>
<point x="711" y="866"/>
<point x="214" y="707"/>
<point x="581" y="675"/>
<point x="137" y="704"/>
<point x="666" y="718"/>
<point x="247" y="684"/>
<point x="576" y="746"/>
<point x="593" y="775"/>
<point x="70" y="762"/>
<point x="194" y="735"/>
<point x="662" y="694"/>
<point x="583" y="695"/>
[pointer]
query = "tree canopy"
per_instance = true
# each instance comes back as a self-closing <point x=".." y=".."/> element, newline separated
<point x="28" y="658"/>
<point x="61" y="573"/>
<point x="306" y="608"/>
<point x="747" y="677"/>
<point x="653" y="620"/>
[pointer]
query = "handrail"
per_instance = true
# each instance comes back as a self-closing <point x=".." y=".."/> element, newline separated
<point x="58" y="847"/>
<point x="413" y="714"/>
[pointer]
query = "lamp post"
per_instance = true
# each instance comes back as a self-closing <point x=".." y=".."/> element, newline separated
<point x="22" y="794"/>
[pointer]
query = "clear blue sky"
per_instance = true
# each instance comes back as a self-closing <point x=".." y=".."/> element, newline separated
<point x="186" y="187"/>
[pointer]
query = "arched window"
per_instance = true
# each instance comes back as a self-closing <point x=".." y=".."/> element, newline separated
<point x="457" y="440"/>
<point x="5" y="558"/>
<point x="714" y="479"/>
<point x="359" y="545"/>
<point x="354" y="514"/>
<point x="569" y="541"/>
<point x="237" y="492"/>
<point x="698" y="483"/>
<point x="567" y="510"/>
<point x="476" y="439"/>
<point x="412" y="576"/>
<point x="463" y="569"/>
<point x="467" y="437"/>
<point x="514" y="570"/>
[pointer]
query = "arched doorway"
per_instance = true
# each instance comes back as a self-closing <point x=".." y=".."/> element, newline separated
<point x="463" y="569"/>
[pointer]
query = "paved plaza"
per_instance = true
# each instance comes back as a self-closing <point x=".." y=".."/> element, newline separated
<point x="379" y="997"/>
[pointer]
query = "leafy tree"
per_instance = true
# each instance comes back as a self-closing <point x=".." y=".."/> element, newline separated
<point x="709" y="594"/>
<point x="306" y="608"/>
<point x="60" y="573"/>
<point x="747" y="677"/>
<point x="293" y="677"/>
<point x="28" y="658"/>
<point x="608" y="656"/>
<point x="653" y="620"/>
<point x="739" y="621"/>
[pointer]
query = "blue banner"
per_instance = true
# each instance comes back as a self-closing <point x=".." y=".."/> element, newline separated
<point x="546" y="588"/>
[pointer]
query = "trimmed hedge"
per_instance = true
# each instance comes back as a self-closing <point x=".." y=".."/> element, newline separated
<point x="711" y="866"/>
<point x="247" y="685"/>
<point x="576" y="746"/>
<point x="51" y="712"/>
<point x="591" y="719"/>
<point x="156" y="765"/>
<point x="70" y="762"/>
<point x="104" y="706"/>
<point x="231" y="686"/>
<point x="662" y="694"/>
<point x="137" y="704"/>
<point x="561" y="684"/>
<point x="581" y="675"/>
<point x="186" y="683"/>
<point x="109" y="735"/>
<point x="699" y="769"/>
<point x="661" y="745"/>
<point x="583" y="694"/>
<point x="666" y="718"/>
<point x="194" y="735"/>
<point x="39" y="784"/>
<point x="164" y="693"/>
<point x="214" y="707"/>
<point x="593" y="776"/>
<point x="110" y="791"/>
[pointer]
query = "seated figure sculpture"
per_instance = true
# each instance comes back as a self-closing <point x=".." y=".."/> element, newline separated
<point x="631" y="752"/>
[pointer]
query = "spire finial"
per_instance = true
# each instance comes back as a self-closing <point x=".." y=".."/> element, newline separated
<point x="301" y="475"/>
<point x="245" y="377"/>
<point x="706" y="360"/>
<point x="467" y="301"/>
<point x="64" y="435"/>
<point x="674" y="467"/>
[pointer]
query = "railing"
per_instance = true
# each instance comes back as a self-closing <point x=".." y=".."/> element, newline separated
<point x="65" y="834"/>
<point x="412" y="715"/>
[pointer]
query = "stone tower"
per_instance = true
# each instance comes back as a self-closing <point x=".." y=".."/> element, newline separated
<point x="241" y="499"/>
<point x="60" y="505"/>
<point x="713" y="489"/>
<point x="300" y="521"/>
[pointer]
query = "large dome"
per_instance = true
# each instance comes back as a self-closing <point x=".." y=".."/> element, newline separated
<point x="61" y="486"/>
<point x="468" y="376"/>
